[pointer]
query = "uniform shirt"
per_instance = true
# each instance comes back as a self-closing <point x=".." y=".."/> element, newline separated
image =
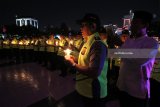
<point x="62" y="44"/>
<point x="93" y="54"/>
<point x="134" y="73"/>
<point x="50" y="45"/>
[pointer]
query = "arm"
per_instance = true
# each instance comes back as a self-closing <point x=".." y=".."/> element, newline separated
<point x="96" y="61"/>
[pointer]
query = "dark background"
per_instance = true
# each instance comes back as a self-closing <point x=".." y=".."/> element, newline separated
<point x="55" y="12"/>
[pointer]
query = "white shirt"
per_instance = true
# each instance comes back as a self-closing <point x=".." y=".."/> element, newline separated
<point x="134" y="73"/>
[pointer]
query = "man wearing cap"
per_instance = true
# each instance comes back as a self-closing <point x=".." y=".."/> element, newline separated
<point x="91" y="81"/>
<point x="103" y="35"/>
<point x="124" y="36"/>
<point x="135" y="70"/>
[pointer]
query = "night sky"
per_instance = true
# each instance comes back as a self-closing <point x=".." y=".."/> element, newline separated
<point x="55" y="12"/>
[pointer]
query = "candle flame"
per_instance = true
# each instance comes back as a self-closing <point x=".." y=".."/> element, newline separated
<point x="71" y="42"/>
<point x="21" y="43"/>
<point x="13" y="42"/>
<point x="67" y="51"/>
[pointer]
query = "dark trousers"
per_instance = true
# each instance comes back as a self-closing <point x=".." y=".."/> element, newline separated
<point x="15" y="54"/>
<point x="74" y="99"/>
<point x="155" y="93"/>
<point x="52" y="60"/>
<point x="93" y="102"/>
<point x="36" y="55"/>
<point x="129" y="101"/>
<point x="7" y="53"/>
<point x="22" y="55"/>
<point x="62" y="65"/>
<point x="42" y="57"/>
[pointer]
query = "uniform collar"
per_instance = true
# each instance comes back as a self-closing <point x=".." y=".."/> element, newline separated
<point x="91" y="37"/>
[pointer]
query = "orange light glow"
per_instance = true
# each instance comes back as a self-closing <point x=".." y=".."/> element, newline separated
<point x="13" y="42"/>
<point x="20" y="43"/>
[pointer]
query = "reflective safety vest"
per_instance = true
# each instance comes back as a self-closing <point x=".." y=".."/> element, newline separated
<point x="32" y="44"/>
<point x="42" y="45"/>
<point x="56" y="43"/>
<point x="6" y="44"/>
<point x="36" y="45"/>
<point x="14" y="43"/>
<point x="27" y="44"/>
<point x="21" y="44"/>
<point x="84" y="84"/>
<point x="77" y="44"/>
<point x="62" y="44"/>
<point x="50" y="45"/>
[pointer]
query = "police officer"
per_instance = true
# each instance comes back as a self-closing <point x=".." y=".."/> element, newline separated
<point x="21" y="44"/>
<point x="50" y="53"/>
<point x="42" y="49"/>
<point x="91" y="76"/>
<point x="15" y="49"/>
<point x="36" y="48"/>
<point x="7" y="49"/>
<point x="60" y="55"/>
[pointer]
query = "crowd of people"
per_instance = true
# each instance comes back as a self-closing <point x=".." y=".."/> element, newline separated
<point x="134" y="71"/>
<point x="89" y="59"/>
<point x="45" y="50"/>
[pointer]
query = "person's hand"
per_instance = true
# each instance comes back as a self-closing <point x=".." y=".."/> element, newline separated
<point x="70" y="59"/>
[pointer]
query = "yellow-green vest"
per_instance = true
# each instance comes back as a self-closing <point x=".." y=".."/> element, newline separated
<point x="84" y="83"/>
<point x="42" y="45"/>
<point x="62" y="44"/>
<point x="36" y="45"/>
<point x="14" y="43"/>
<point x="50" y="46"/>
<point x="6" y="44"/>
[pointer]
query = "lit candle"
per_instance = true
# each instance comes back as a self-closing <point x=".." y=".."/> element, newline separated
<point x="56" y="43"/>
<point x="47" y="41"/>
<point x="27" y="42"/>
<point x="71" y="42"/>
<point x="116" y="46"/>
<point x="32" y="42"/>
<point x="67" y="53"/>
<point x="13" y="42"/>
<point x="21" y="43"/>
<point x="58" y="37"/>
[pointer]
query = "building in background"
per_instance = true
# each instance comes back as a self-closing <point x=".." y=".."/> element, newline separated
<point x="127" y="20"/>
<point x="27" y="22"/>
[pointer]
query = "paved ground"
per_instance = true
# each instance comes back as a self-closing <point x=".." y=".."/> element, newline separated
<point x="32" y="85"/>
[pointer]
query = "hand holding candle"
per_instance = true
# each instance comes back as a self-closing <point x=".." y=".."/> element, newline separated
<point x="69" y="57"/>
<point x="67" y="53"/>
<point x="13" y="42"/>
<point x="71" y="42"/>
<point x="20" y="43"/>
<point x="56" y="43"/>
